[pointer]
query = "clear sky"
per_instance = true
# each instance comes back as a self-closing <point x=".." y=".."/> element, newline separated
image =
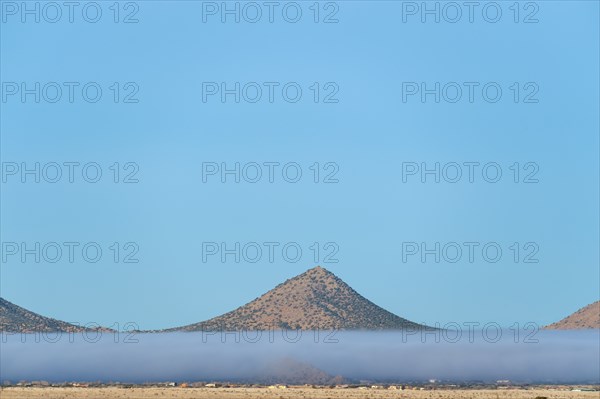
<point x="368" y="126"/>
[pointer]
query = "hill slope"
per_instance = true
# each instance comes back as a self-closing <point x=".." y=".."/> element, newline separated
<point x="587" y="317"/>
<point x="311" y="300"/>
<point x="16" y="319"/>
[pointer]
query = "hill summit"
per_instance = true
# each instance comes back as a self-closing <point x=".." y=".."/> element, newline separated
<point x="315" y="299"/>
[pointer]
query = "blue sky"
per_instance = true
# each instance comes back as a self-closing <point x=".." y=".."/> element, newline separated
<point x="369" y="133"/>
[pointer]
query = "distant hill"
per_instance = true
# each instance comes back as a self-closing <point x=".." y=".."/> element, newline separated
<point x="311" y="300"/>
<point x="587" y="317"/>
<point x="15" y="319"/>
<point x="293" y="372"/>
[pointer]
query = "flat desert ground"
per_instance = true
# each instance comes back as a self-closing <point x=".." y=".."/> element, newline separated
<point x="290" y="393"/>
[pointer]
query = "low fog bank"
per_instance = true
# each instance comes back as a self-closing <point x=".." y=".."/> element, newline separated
<point x="544" y="357"/>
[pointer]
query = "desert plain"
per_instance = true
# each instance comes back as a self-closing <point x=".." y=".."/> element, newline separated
<point x="288" y="393"/>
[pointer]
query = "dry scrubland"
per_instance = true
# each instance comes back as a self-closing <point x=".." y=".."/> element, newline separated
<point x="290" y="393"/>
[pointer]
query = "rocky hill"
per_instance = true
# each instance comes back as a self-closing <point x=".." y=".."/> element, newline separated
<point x="315" y="299"/>
<point x="15" y="319"/>
<point x="587" y="317"/>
